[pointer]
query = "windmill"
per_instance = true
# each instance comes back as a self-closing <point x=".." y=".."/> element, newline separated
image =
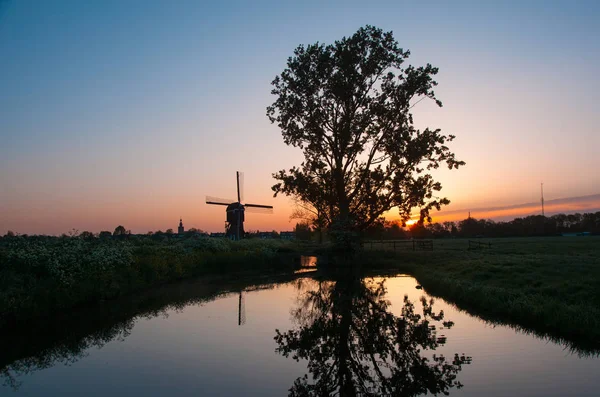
<point x="234" y="224"/>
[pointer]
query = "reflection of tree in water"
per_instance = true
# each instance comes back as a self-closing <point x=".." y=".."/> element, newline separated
<point x="355" y="346"/>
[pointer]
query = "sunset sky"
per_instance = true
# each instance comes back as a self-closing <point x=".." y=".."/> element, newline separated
<point x="131" y="112"/>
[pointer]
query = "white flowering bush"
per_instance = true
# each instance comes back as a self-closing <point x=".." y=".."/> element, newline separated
<point x="39" y="274"/>
<point x="208" y="244"/>
<point x="67" y="260"/>
<point x="267" y="246"/>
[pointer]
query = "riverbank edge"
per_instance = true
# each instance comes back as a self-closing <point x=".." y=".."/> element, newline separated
<point x="575" y="325"/>
<point x="220" y="265"/>
<point x="77" y="329"/>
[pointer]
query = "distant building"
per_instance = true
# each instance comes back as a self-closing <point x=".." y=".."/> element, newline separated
<point x="265" y="235"/>
<point x="287" y="235"/>
<point x="180" y="229"/>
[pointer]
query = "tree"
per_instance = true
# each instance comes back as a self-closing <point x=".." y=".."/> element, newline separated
<point x="119" y="231"/>
<point x="347" y="106"/>
<point x="451" y="228"/>
<point x="85" y="235"/>
<point x="105" y="234"/>
<point x="302" y="231"/>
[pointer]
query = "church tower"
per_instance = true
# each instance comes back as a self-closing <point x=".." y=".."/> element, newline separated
<point x="180" y="228"/>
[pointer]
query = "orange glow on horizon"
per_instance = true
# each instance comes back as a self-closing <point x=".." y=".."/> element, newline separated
<point x="584" y="204"/>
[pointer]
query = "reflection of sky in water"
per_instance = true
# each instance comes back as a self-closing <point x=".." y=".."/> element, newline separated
<point x="308" y="264"/>
<point x="308" y="261"/>
<point x="202" y="351"/>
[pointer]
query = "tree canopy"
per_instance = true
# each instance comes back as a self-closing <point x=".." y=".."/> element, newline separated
<point x="120" y="231"/>
<point x="347" y="106"/>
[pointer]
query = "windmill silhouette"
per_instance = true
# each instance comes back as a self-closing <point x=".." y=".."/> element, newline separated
<point x="234" y="224"/>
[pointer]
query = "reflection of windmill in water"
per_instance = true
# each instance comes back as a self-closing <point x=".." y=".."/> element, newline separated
<point x="234" y="224"/>
<point x="242" y="300"/>
<point x="241" y="309"/>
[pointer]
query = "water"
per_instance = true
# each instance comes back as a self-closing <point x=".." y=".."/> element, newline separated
<point x="191" y="339"/>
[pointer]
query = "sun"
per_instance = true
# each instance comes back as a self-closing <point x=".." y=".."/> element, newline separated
<point x="410" y="222"/>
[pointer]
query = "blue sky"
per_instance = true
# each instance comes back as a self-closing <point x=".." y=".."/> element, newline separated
<point x="132" y="111"/>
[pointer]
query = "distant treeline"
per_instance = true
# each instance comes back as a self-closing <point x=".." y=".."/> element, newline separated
<point x="120" y="233"/>
<point x="535" y="225"/>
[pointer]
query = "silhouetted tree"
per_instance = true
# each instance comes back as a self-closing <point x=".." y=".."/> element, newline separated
<point x="310" y="214"/>
<point x="88" y="236"/>
<point x="119" y="231"/>
<point x="355" y="346"/>
<point x="302" y="231"/>
<point x="451" y="228"/>
<point x="104" y="234"/>
<point x="394" y="231"/>
<point x="375" y="231"/>
<point x="418" y="230"/>
<point x="158" y="235"/>
<point x="347" y="106"/>
<point x="191" y="232"/>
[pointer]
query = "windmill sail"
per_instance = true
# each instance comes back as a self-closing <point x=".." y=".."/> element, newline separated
<point x="258" y="206"/>
<point x="241" y="186"/>
<point x="218" y="200"/>
<point x="234" y="224"/>
<point x="237" y="177"/>
<point x="259" y="210"/>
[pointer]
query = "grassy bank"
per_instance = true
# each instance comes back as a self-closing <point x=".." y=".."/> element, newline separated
<point x="550" y="286"/>
<point x="40" y="276"/>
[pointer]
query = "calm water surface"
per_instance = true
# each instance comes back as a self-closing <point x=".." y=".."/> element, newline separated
<point x="352" y="333"/>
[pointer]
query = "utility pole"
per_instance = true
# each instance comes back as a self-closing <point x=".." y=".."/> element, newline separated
<point x="543" y="199"/>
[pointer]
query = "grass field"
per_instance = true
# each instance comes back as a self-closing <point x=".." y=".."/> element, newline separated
<point x="548" y="285"/>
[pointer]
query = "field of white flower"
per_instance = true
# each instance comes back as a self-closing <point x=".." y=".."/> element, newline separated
<point x="40" y="275"/>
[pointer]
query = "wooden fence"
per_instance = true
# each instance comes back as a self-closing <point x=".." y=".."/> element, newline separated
<point x="414" y="245"/>
<point x="475" y="245"/>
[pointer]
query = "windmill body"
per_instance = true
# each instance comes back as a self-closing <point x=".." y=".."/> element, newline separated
<point x="235" y="211"/>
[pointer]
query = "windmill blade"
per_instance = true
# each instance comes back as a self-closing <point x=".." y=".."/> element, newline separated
<point x="258" y="206"/>
<point x="259" y="210"/>
<point x="237" y="179"/>
<point x="241" y="186"/>
<point x="218" y="201"/>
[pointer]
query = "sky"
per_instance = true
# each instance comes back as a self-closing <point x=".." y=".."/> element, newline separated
<point x="132" y="112"/>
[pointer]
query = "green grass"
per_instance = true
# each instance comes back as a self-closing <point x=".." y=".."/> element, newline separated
<point x="550" y="286"/>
